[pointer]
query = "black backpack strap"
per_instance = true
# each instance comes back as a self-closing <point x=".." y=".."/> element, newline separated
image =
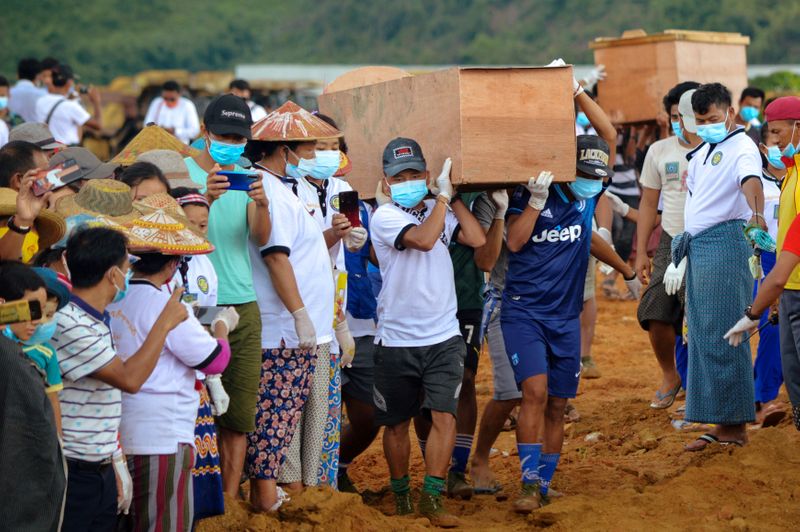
<point x="53" y="110"/>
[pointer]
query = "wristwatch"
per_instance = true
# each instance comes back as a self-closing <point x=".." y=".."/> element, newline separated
<point x="16" y="228"/>
<point x="748" y="312"/>
<point x="631" y="278"/>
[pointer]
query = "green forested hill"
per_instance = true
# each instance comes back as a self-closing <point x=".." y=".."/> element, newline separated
<point x="105" y="38"/>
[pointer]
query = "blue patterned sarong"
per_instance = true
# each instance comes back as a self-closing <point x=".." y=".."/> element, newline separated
<point x="718" y="288"/>
<point x="329" y="461"/>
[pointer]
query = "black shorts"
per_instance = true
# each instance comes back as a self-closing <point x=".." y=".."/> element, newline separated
<point x="411" y="379"/>
<point x="357" y="380"/>
<point x="469" y="321"/>
<point x="655" y="304"/>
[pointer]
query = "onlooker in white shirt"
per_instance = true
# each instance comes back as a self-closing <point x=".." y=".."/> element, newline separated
<point x="173" y="112"/>
<point x="197" y="274"/>
<point x="25" y="94"/>
<point x="66" y="117"/>
<point x="241" y="88"/>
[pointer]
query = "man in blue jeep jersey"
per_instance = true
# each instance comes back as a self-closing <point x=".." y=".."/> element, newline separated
<point x="550" y="239"/>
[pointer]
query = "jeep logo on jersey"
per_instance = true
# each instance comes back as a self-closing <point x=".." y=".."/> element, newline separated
<point x="557" y="234"/>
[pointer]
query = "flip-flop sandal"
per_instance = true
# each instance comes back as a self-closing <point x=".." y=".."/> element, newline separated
<point x="571" y="414"/>
<point x="665" y="400"/>
<point x="491" y="490"/>
<point x="707" y="440"/>
<point x="729" y="443"/>
<point x="773" y="416"/>
<point x="511" y="423"/>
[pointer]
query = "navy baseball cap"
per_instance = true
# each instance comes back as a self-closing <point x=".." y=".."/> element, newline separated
<point x="228" y="115"/>
<point x="402" y="154"/>
<point x="593" y="156"/>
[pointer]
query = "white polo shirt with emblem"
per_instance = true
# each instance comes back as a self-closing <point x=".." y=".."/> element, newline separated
<point x="202" y="280"/>
<point x="714" y="181"/>
<point x="417" y="304"/>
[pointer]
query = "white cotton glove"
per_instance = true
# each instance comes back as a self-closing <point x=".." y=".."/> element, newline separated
<point x="380" y="197"/>
<point x="124" y="482"/>
<point x="617" y="205"/>
<point x="576" y="87"/>
<point x="443" y="186"/>
<point x="598" y="73"/>
<point x="219" y="397"/>
<point x="673" y="277"/>
<point x="305" y="330"/>
<point x="539" y="187"/>
<point x="736" y="335"/>
<point x="346" y="342"/>
<point x="229" y="317"/>
<point x="355" y="239"/>
<point x="635" y="286"/>
<point x="605" y="234"/>
<point x="500" y="200"/>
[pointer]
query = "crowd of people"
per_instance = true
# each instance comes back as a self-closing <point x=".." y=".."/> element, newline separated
<point x="210" y="320"/>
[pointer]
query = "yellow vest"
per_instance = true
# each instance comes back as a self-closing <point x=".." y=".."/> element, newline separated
<point x="788" y="209"/>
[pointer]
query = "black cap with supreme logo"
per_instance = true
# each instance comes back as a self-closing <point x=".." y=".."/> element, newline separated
<point x="593" y="155"/>
<point x="402" y="154"/>
<point x="228" y="115"/>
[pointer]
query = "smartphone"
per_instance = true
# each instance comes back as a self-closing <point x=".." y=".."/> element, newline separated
<point x="207" y="314"/>
<point x="19" y="311"/>
<point x="55" y="177"/>
<point x="239" y="180"/>
<point x="348" y="205"/>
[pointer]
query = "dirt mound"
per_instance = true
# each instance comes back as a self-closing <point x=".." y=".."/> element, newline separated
<point x="633" y="475"/>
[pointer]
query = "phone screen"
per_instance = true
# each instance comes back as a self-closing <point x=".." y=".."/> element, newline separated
<point x="348" y="205"/>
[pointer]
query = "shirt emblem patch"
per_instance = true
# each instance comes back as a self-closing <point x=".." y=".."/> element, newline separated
<point x="717" y="157"/>
<point x="202" y="284"/>
<point x="334" y="202"/>
<point x="671" y="171"/>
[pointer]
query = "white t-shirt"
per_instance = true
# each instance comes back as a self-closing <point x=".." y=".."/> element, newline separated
<point x="22" y="99"/>
<point x="182" y="117"/>
<point x="296" y="233"/>
<point x="772" y="196"/>
<point x="256" y="111"/>
<point x="417" y="304"/>
<point x="310" y="196"/>
<point x="3" y="133"/>
<point x="163" y="413"/>
<point x="67" y="119"/>
<point x="202" y="279"/>
<point x="714" y="182"/>
<point x="665" y="167"/>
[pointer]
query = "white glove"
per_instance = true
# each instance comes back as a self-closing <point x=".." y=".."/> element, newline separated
<point x="380" y="197"/>
<point x="598" y="73"/>
<point x="576" y="87"/>
<point x="605" y="234"/>
<point x="673" y="277"/>
<point x="305" y="330"/>
<point x="617" y="205"/>
<point x="219" y="397"/>
<point x="539" y="187"/>
<point x="635" y="286"/>
<point x="356" y="238"/>
<point x="500" y="200"/>
<point x="229" y="317"/>
<point x="124" y="482"/>
<point x="737" y="333"/>
<point x="443" y="186"/>
<point x="347" y="344"/>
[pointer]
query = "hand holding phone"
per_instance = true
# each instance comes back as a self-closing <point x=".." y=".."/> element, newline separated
<point x="20" y="311"/>
<point x="348" y="205"/>
<point x="239" y="180"/>
<point x="56" y="177"/>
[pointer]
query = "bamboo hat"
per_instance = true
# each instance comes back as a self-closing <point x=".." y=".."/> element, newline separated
<point x="290" y="122"/>
<point x="150" y="138"/>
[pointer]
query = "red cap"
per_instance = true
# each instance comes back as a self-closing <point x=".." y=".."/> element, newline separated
<point x="783" y="108"/>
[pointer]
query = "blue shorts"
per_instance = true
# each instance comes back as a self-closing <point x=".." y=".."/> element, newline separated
<point x="551" y="348"/>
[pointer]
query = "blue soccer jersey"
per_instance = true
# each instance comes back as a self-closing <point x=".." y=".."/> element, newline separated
<point x="545" y="278"/>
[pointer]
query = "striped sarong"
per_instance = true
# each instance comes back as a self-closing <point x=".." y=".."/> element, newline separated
<point x="718" y="288"/>
<point x="162" y="490"/>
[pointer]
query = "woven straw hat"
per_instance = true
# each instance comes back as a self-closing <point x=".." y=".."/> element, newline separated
<point x="290" y="122"/>
<point x="159" y="232"/>
<point x="101" y="197"/>
<point x="49" y="225"/>
<point x="150" y="138"/>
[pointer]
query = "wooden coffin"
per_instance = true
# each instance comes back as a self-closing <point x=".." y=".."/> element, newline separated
<point x="641" y="68"/>
<point x="500" y="126"/>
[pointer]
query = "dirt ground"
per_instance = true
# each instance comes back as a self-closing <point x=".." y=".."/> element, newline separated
<point x="633" y="477"/>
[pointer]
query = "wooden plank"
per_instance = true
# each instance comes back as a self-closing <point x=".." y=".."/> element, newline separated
<point x="369" y="75"/>
<point x="671" y="36"/>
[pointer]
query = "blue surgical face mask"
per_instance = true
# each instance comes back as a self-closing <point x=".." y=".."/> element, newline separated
<point x="676" y="128"/>
<point x="327" y="162"/>
<point x="582" y="119"/>
<point x="774" y="157"/>
<point x="43" y="333"/>
<point x="791" y="149"/>
<point x="409" y="193"/>
<point x="8" y="333"/>
<point x="223" y="153"/>
<point x="120" y="295"/>
<point x="302" y="169"/>
<point x="3" y="102"/>
<point x="748" y="113"/>
<point x="713" y="133"/>
<point x="584" y="188"/>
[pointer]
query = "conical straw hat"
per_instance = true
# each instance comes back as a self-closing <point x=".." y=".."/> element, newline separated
<point x="159" y="232"/>
<point x="152" y="137"/>
<point x="290" y="122"/>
